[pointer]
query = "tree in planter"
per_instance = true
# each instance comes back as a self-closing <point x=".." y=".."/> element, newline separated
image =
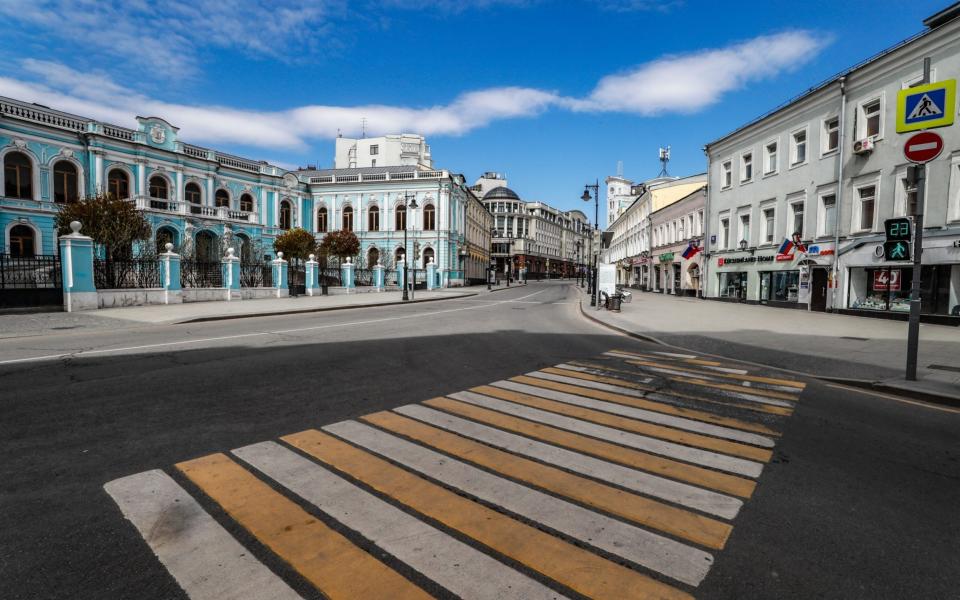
<point x="113" y="224"/>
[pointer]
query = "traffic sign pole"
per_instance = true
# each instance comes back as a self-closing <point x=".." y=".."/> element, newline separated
<point x="913" y="329"/>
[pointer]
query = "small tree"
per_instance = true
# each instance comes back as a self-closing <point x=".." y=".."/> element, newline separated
<point x="113" y="224"/>
<point x="296" y="244"/>
<point x="340" y="244"/>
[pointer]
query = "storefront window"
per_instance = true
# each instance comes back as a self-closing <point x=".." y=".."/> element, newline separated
<point x="888" y="289"/>
<point x="779" y="286"/>
<point x="733" y="285"/>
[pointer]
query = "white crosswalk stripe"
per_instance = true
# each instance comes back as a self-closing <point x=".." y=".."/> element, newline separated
<point x="596" y="385"/>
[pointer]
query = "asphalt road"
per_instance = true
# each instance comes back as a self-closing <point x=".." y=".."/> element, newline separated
<point x="859" y="500"/>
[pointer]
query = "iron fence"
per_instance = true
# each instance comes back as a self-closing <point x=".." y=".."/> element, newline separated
<point x="24" y="272"/>
<point x="363" y="277"/>
<point x="200" y="274"/>
<point x="127" y="273"/>
<point x="256" y="275"/>
<point x="329" y="276"/>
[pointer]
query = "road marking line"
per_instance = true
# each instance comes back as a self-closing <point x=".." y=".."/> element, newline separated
<point x="755" y="394"/>
<point x="574" y="567"/>
<point x="459" y="568"/>
<point x="551" y="375"/>
<point x="892" y="397"/>
<point x="652" y="463"/>
<point x="675" y="355"/>
<point x="572" y="370"/>
<point x="783" y="385"/>
<point x="706" y="501"/>
<point x="693" y="433"/>
<point x="653" y="551"/>
<point x="644" y="402"/>
<point x="526" y="407"/>
<point x="206" y="561"/>
<point x="673" y="395"/>
<point x="709" y="364"/>
<point x="329" y="561"/>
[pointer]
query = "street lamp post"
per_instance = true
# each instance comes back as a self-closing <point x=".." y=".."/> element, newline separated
<point x="509" y="260"/>
<point x="491" y="270"/>
<point x="594" y="296"/>
<point x="409" y="201"/>
<point x="579" y="246"/>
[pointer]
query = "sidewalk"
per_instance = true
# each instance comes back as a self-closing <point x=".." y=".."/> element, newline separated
<point x="858" y="350"/>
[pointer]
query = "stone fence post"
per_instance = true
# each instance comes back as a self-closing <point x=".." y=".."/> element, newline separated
<point x="231" y="275"/>
<point x="280" y="273"/>
<point x="431" y="275"/>
<point x="170" y="276"/>
<point x="76" y="270"/>
<point x="379" y="277"/>
<point x="347" y="275"/>
<point x="311" y="276"/>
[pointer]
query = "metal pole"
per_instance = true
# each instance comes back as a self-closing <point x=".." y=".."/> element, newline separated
<point x="913" y="329"/>
<point x="405" y="269"/>
<point x="596" y="253"/>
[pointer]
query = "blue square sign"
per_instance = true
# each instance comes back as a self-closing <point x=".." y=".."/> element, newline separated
<point x="926" y="106"/>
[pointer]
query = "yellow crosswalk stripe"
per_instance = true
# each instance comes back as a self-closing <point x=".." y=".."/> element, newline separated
<point x="764" y="408"/>
<point x="799" y="385"/>
<point x="646" y="404"/>
<point x="633" y="425"/>
<point x="323" y="556"/>
<point x="694" y="361"/>
<point x="574" y="567"/>
<point x="684" y="524"/>
<point x="599" y="378"/>
<point x="737" y="388"/>
<point x="706" y="478"/>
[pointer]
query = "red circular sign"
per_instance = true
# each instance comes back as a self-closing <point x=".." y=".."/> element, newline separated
<point x="923" y="147"/>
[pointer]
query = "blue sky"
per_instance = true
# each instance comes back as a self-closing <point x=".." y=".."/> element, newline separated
<point x="551" y="93"/>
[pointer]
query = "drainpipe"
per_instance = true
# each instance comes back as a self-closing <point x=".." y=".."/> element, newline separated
<point x="840" y="157"/>
<point x="705" y="273"/>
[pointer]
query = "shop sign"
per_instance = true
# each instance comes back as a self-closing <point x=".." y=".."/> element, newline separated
<point x="886" y="279"/>
<point x="640" y="261"/>
<point x="666" y="257"/>
<point x="816" y="250"/>
<point x="744" y="259"/>
<point x="784" y="257"/>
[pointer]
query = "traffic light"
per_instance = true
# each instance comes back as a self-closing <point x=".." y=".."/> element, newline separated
<point x="416" y="250"/>
<point x="896" y="250"/>
<point x="899" y="231"/>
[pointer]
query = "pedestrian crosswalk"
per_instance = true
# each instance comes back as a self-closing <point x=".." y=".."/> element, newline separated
<point x="617" y="476"/>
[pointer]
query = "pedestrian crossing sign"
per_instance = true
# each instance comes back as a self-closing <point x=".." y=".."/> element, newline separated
<point x="926" y="106"/>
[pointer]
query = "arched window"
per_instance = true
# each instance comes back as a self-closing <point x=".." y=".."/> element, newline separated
<point x="222" y="198"/>
<point x="118" y="183"/>
<point x="246" y="203"/>
<point x="348" y="218"/>
<point x="207" y="247"/>
<point x="22" y="240"/>
<point x="64" y="181"/>
<point x="322" y="219"/>
<point x="192" y="194"/>
<point x="164" y="236"/>
<point x="18" y="176"/>
<point x="286" y="215"/>
<point x="373" y="256"/>
<point x="429" y="218"/>
<point x="159" y="188"/>
<point x="427" y="256"/>
<point x="373" y="219"/>
<point x="400" y="219"/>
<point x="398" y="257"/>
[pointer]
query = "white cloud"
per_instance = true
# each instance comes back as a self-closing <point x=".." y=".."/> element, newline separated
<point x="673" y="84"/>
<point x="690" y="82"/>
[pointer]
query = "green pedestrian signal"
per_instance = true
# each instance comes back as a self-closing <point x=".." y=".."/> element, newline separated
<point x="896" y="250"/>
<point x="898" y="229"/>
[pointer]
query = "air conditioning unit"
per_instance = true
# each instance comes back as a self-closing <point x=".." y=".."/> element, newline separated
<point x="864" y="146"/>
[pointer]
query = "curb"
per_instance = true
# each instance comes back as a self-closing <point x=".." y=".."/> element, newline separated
<point x="313" y="310"/>
<point x="501" y="289"/>
<point x="866" y="384"/>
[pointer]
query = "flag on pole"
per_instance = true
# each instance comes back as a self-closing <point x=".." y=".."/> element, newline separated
<point x="691" y="251"/>
<point x="786" y="247"/>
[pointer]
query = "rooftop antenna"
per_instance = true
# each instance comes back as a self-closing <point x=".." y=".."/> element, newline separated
<point x="664" y="159"/>
<point x="619" y="168"/>
<point x="339" y="134"/>
<point x="363" y="127"/>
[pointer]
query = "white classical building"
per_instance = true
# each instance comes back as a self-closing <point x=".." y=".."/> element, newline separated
<point x="829" y="166"/>
<point x="403" y="150"/>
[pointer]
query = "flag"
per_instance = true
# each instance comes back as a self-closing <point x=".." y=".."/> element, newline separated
<point x="786" y="247"/>
<point x="691" y="251"/>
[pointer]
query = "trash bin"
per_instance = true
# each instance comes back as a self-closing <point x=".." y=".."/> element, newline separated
<point x="613" y="304"/>
<point x="606" y="300"/>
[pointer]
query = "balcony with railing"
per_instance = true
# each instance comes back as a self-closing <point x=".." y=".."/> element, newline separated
<point x="383" y="176"/>
<point x="177" y="207"/>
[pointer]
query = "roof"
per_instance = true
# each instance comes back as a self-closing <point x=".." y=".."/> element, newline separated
<point x="358" y="171"/>
<point x="501" y="193"/>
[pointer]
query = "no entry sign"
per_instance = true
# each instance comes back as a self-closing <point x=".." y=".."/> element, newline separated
<point x="923" y="147"/>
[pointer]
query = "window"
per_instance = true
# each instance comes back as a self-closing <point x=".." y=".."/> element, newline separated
<point x="828" y="208"/>
<point x="430" y="219"/>
<point x="374" y="149"/>
<point x="348" y="218"/>
<point x="798" y="150"/>
<point x="18" y="176"/>
<point x="64" y="181"/>
<point x="796" y="219"/>
<point x="373" y="219"/>
<point x="907" y="203"/>
<point x="745" y="228"/>
<point x="727" y="174"/>
<point x="770" y="160"/>
<point x="191" y="193"/>
<point x="400" y="218"/>
<point x="746" y="167"/>
<point x="118" y="184"/>
<point x="21" y="241"/>
<point x="246" y="203"/>
<point x="286" y="215"/>
<point x="322" y="219"/>
<point x="831" y="134"/>
<point x="158" y="187"/>
<point x="769" y="225"/>
<point x="869" y="114"/>
<point x="724" y="233"/>
<point x="867" y="196"/>
<point x="373" y="162"/>
<point x="222" y="198"/>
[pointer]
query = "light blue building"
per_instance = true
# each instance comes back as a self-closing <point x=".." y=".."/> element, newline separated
<point x="204" y="200"/>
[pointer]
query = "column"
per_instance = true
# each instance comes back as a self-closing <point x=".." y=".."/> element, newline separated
<point x="76" y="269"/>
<point x="280" y="282"/>
<point x="209" y="190"/>
<point x="347" y="273"/>
<point x="311" y="277"/>
<point x="142" y="177"/>
<point x="170" y="274"/>
<point x="98" y="169"/>
<point x="231" y="275"/>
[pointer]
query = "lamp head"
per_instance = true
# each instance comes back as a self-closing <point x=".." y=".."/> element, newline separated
<point x="743" y="244"/>
<point x="586" y="196"/>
